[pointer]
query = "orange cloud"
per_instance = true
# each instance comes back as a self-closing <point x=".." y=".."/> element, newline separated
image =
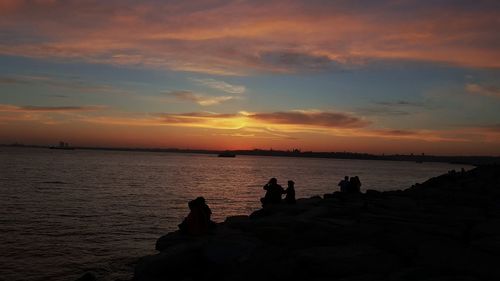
<point x="310" y="118"/>
<point x="49" y="115"/>
<point x="198" y="98"/>
<point x="239" y="38"/>
<point x="276" y="123"/>
<point x="66" y="83"/>
<point x="205" y="120"/>
<point x="292" y="120"/>
<point x="222" y="86"/>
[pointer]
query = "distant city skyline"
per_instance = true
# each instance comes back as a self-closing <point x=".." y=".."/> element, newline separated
<point x="386" y="77"/>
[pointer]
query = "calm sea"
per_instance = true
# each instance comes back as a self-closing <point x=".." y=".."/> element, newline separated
<point x="64" y="212"/>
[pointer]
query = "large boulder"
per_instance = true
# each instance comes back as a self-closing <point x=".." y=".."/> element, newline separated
<point x="88" y="276"/>
<point x="230" y="249"/>
<point x="173" y="262"/>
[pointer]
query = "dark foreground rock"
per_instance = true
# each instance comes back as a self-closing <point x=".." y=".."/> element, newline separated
<point x="447" y="228"/>
<point x="88" y="276"/>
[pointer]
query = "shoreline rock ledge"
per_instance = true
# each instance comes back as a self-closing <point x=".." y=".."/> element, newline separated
<point x="447" y="228"/>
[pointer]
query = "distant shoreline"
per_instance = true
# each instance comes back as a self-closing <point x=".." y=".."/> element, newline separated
<point x="465" y="160"/>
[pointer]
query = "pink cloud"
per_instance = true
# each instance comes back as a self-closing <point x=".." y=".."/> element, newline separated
<point x="239" y="38"/>
<point x="200" y="99"/>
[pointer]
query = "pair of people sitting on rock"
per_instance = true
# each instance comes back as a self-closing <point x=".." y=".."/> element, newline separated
<point x="274" y="192"/>
<point x="198" y="221"/>
<point x="352" y="185"/>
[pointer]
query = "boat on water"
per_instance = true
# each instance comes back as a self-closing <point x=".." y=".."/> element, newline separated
<point x="62" y="145"/>
<point x="227" y="154"/>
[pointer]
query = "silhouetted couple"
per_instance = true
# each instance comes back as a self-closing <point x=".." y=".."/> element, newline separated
<point x="274" y="192"/>
<point x="198" y="221"/>
<point x="352" y="185"/>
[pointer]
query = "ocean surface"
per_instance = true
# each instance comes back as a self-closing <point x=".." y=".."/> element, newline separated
<point x="65" y="212"/>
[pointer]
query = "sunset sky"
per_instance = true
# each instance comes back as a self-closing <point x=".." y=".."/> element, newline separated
<point x="363" y="76"/>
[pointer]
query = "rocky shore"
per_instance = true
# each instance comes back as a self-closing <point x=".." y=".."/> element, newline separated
<point x="447" y="228"/>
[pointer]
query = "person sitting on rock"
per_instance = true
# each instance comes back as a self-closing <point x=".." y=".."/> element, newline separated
<point x="198" y="220"/>
<point x="354" y="185"/>
<point x="290" y="193"/>
<point x="207" y="212"/>
<point x="273" y="192"/>
<point x="344" y="184"/>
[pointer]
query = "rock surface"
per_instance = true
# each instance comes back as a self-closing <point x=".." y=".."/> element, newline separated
<point x="88" y="276"/>
<point x="447" y="228"/>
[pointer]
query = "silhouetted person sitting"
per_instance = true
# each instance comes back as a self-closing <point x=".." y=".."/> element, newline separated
<point x="200" y="201"/>
<point x="290" y="193"/>
<point x="344" y="184"/>
<point x="354" y="185"/>
<point x="273" y="193"/>
<point x="198" y="220"/>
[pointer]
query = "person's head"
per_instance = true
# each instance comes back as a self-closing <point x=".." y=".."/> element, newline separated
<point x="273" y="181"/>
<point x="291" y="183"/>
<point x="200" y="200"/>
<point x="346" y="178"/>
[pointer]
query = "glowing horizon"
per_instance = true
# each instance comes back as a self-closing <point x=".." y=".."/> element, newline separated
<point x="395" y="77"/>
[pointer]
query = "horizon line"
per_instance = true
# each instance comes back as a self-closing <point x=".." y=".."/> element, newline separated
<point x="292" y="151"/>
